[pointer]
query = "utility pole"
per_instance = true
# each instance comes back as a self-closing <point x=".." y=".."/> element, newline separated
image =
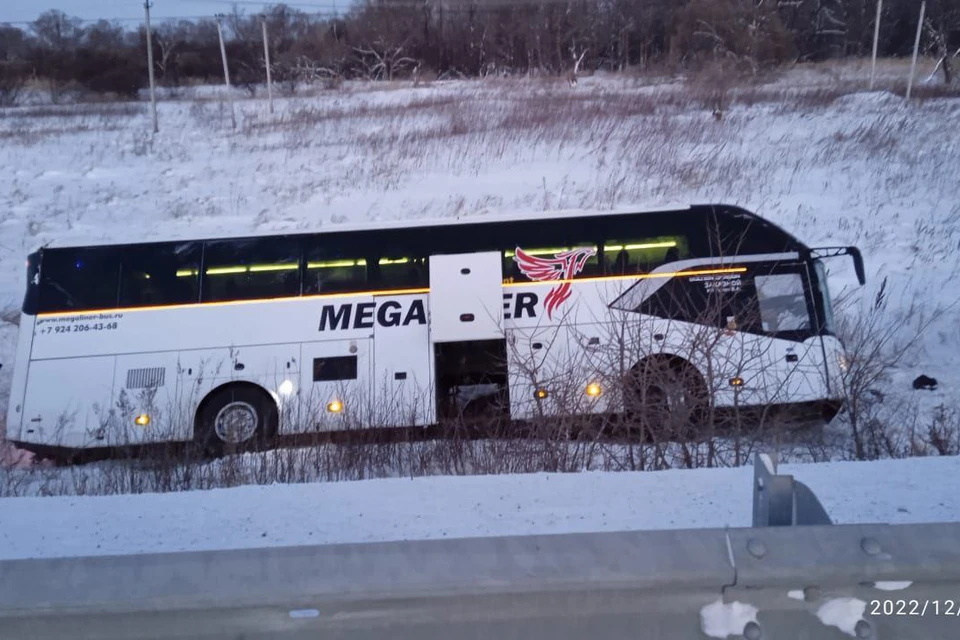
<point x="876" y="38"/>
<point x="916" y="47"/>
<point x="266" y="59"/>
<point x="226" y="71"/>
<point x="153" y="91"/>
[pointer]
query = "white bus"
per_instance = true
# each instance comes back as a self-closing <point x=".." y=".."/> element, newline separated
<point x="232" y="341"/>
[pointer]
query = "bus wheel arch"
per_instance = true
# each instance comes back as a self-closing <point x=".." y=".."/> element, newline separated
<point x="666" y="395"/>
<point x="235" y="416"/>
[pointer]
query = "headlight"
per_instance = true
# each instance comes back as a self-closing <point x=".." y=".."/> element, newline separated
<point x="843" y="362"/>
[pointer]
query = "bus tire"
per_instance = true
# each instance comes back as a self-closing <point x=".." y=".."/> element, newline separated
<point x="666" y="398"/>
<point x="236" y="418"/>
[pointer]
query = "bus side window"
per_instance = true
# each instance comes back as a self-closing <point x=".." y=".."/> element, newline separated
<point x="334" y="267"/>
<point x="79" y="279"/>
<point x="400" y="272"/>
<point x="250" y="269"/>
<point x="782" y="303"/>
<point x="626" y="257"/>
<point x="738" y="310"/>
<point x="160" y="275"/>
<point x="680" y="299"/>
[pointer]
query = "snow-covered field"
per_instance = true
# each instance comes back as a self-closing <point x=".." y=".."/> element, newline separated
<point x="832" y="164"/>
<point x="887" y="491"/>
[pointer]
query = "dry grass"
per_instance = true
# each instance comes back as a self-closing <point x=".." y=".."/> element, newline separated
<point x="381" y="150"/>
<point x="891" y="431"/>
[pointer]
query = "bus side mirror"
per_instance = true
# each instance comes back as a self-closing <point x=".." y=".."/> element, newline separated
<point x="858" y="264"/>
<point x="820" y="253"/>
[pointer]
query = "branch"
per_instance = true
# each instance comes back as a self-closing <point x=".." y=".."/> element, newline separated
<point x="576" y="65"/>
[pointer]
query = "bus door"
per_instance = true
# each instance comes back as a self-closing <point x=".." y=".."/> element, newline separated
<point x="467" y="337"/>
<point x="793" y="359"/>
<point x="335" y="389"/>
<point x="402" y="362"/>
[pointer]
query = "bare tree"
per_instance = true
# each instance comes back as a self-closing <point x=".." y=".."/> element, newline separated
<point x="13" y="77"/>
<point x="577" y="61"/>
<point x="382" y="60"/>
<point x="168" y="39"/>
<point x="938" y="26"/>
<point x="58" y="37"/>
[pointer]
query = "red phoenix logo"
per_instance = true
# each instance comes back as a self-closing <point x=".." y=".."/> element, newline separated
<point x="562" y="266"/>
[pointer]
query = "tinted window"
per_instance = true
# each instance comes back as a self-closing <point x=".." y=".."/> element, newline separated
<point x="722" y="300"/>
<point x="679" y="299"/>
<point x="399" y="258"/>
<point x="79" y="279"/>
<point x="623" y="257"/>
<point x="400" y="272"/>
<point x="336" y="368"/>
<point x="160" y="274"/>
<point x="826" y="304"/>
<point x="334" y="265"/>
<point x="247" y="269"/>
<point x="31" y="300"/>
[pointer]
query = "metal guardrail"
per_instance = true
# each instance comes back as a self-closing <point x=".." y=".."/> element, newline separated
<point x="818" y="581"/>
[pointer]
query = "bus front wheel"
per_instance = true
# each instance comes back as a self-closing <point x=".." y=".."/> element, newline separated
<point x="666" y="399"/>
<point x="237" y="418"/>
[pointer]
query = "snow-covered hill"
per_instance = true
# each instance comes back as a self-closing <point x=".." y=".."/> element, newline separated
<point x="830" y="165"/>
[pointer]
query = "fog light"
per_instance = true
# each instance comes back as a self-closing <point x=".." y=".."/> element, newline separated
<point x="541" y="394"/>
<point x="285" y="388"/>
<point x="142" y="420"/>
<point x="736" y="382"/>
<point x="593" y="390"/>
<point x="334" y="406"/>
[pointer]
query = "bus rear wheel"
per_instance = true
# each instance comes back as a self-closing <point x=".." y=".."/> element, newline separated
<point x="235" y="419"/>
<point x="666" y="400"/>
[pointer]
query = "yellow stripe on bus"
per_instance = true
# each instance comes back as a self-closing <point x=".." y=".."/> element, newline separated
<point x="390" y="292"/>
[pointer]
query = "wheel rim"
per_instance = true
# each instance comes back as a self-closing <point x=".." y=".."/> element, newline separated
<point x="236" y="422"/>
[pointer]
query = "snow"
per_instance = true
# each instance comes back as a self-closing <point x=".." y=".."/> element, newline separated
<point x="719" y="619"/>
<point x="892" y="585"/>
<point x="866" y="170"/>
<point x="842" y="613"/>
<point x="304" y="613"/>
<point x="911" y="490"/>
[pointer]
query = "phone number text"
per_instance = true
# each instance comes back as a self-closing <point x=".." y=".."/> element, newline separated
<point x="79" y="328"/>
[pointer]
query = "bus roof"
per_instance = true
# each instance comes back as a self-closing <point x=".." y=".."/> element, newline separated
<point x="546" y="215"/>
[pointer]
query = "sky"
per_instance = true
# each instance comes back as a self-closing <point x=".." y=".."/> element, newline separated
<point x="19" y="11"/>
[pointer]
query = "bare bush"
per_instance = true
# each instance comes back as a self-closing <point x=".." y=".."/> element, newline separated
<point x="944" y="431"/>
<point x="876" y="341"/>
<point x="13" y="78"/>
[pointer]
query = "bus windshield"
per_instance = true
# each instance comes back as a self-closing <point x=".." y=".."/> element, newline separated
<point x="823" y="292"/>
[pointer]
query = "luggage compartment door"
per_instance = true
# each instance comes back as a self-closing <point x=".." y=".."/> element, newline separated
<point x="466" y="297"/>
